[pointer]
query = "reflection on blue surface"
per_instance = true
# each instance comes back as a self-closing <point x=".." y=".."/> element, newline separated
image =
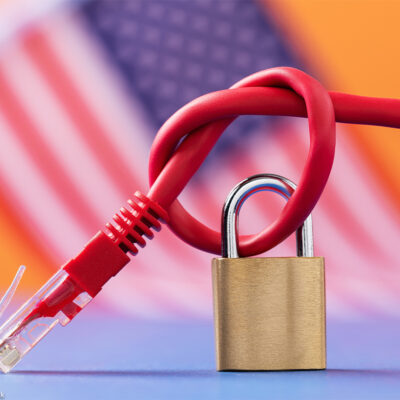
<point x="109" y="358"/>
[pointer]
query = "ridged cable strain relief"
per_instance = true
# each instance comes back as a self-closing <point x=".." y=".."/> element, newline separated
<point x="132" y="223"/>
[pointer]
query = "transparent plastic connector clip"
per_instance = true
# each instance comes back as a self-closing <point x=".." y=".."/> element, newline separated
<point x="58" y="301"/>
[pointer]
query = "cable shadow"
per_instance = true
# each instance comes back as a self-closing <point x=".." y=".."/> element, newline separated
<point x="135" y="373"/>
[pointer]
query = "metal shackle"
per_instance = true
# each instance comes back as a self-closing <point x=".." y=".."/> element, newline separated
<point x="241" y="192"/>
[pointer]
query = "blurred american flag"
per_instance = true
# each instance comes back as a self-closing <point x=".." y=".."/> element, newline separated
<point x="85" y="86"/>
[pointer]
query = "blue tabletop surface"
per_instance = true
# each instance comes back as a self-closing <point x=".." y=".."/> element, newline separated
<point x="105" y="357"/>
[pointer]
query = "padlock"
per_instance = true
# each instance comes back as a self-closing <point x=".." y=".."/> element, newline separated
<point x="269" y="313"/>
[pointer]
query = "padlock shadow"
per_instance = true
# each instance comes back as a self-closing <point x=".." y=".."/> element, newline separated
<point x="364" y="372"/>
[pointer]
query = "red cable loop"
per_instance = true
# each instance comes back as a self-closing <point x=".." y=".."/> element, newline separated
<point x="204" y="120"/>
<point x="173" y="174"/>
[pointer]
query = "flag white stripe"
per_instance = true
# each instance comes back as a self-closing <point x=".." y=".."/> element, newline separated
<point x="36" y="198"/>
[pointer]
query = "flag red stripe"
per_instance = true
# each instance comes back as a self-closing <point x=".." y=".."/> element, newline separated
<point x="37" y="46"/>
<point x="28" y="135"/>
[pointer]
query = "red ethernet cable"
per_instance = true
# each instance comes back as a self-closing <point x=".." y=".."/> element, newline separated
<point x="173" y="162"/>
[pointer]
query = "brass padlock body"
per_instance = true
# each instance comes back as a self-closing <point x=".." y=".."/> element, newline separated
<point x="269" y="313"/>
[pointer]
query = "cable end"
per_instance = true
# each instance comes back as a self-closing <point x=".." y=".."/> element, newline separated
<point x="58" y="301"/>
<point x="80" y="279"/>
